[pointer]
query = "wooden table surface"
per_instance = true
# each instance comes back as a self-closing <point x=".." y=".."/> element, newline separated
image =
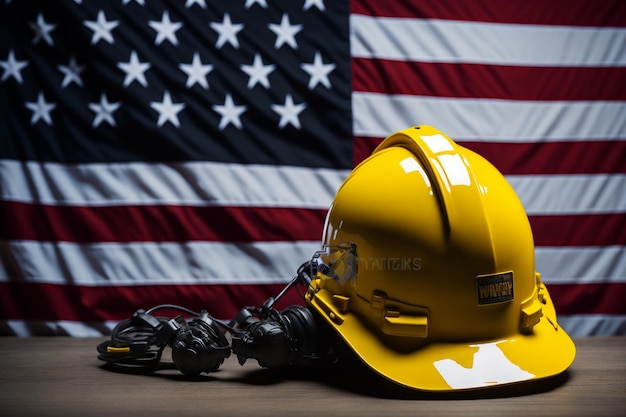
<point x="61" y="376"/>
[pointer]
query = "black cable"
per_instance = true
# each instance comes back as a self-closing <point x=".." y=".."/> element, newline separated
<point x="134" y="343"/>
<point x="173" y="307"/>
<point x="131" y="346"/>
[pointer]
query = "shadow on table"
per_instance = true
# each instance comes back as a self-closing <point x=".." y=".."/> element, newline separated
<point x="351" y="376"/>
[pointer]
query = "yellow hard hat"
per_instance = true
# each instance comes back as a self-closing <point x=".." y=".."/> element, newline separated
<point x="427" y="270"/>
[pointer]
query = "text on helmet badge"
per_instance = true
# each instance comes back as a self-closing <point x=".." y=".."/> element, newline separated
<point x="495" y="288"/>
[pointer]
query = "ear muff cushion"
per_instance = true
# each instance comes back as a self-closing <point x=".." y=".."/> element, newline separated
<point x="303" y="327"/>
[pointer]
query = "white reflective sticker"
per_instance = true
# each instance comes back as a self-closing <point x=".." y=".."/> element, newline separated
<point x="490" y="367"/>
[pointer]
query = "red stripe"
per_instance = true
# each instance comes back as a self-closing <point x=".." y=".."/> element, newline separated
<point x="36" y="301"/>
<point x="527" y="158"/>
<point x="495" y="81"/>
<point x="579" y="230"/>
<point x="21" y="221"/>
<point x="604" y="298"/>
<point x="363" y="147"/>
<point x="540" y="12"/>
<point x="593" y="157"/>
<point x="146" y="223"/>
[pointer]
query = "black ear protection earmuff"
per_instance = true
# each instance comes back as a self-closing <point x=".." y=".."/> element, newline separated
<point x="199" y="344"/>
<point x="276" y="339"/>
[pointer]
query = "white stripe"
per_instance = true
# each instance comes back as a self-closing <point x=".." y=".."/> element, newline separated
<point x="488" y="43"/>
<point x="22" y="328"/>
<point x="153" y="263"/>
<point x="575" y="325"/>
<point x="581" y="265"/>
<point x="251" y="263"/>
<point x="584" y="325"/>
<point x="137" y="184"/>
<point x="192" y="183"/>
<point x="379" y="115"/>
<point x="571" y="194"/>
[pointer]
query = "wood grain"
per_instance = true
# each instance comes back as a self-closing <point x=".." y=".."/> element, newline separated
<point x="61" y="376"/>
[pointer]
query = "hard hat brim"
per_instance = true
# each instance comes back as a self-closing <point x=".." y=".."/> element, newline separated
<point x="547" y="351"/>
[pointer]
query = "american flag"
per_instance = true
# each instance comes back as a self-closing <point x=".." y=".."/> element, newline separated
<point x="186" y="151"/>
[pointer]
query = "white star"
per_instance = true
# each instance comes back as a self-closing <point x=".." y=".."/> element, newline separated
<point x="317" y="3"/>
<point x="318" y="71"/>
<point x="250" y="3"/>
<point x="134" y="70"/>
<point x="13" y="67"/>
<point x="258" y="72"/>
<point x="102" y="28"/>
<point x="227" y="31"/>
<point x="141" y="2"/>
<point x="71" y="73"/>
<point x="289" y="112"/>
<point x="42" y="30"/>
<point x="166" y="29"/>
<point x="285" y="32"/>
<point x="196" y="72"/>
<point x="168" y="110"/>
<point x="41" y="110"/>
<point x="104" y="111"/>
<point x="230" y="113"/>
<point x="201" y="3"/>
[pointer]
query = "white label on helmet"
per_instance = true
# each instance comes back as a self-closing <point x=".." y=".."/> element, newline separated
<point x="490" y="367"/>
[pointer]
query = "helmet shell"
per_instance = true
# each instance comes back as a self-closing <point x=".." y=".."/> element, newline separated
<point x="444" y="293"/>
